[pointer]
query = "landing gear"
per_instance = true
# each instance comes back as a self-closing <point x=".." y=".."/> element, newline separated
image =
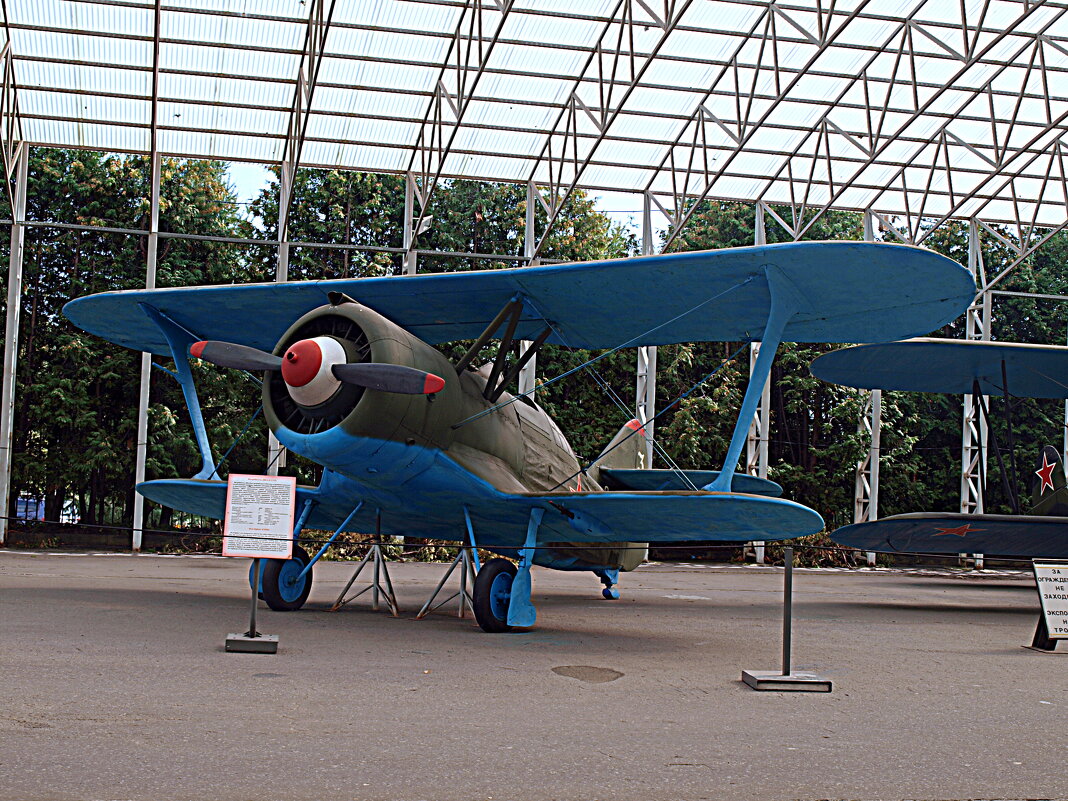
<point x="608" y="579"/>
<point x="282" y="589"/>
<point x="493" y="594"/>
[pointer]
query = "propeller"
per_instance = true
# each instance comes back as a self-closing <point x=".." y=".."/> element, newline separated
<point x="389" y="378"/>
<point x="239" y="357"/>
<point x="309" y="365"/>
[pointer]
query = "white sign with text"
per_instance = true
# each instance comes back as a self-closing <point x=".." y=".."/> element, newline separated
<point x="260" y="512"/>
<point x="1052" y="580"/>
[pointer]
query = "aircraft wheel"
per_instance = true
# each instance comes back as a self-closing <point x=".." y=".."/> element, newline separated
<point x="610" y="594"/>
<point x="281" y="589"/>
<point x="493" y="591"/>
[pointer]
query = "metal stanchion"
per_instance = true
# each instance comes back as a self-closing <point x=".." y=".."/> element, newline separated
<point x="787" y="680"/>
<point x="252" y="642"/>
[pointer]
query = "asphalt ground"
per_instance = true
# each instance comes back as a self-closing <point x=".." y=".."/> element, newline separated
<point x="115" y="685"/>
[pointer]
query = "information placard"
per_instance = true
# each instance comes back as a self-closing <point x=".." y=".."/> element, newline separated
<point x="259" y="516"/>
<point x="1052" y="580"/>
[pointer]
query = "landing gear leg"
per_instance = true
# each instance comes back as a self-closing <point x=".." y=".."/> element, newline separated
<point x="502" y="590"/>
<point x="609" y="578"/>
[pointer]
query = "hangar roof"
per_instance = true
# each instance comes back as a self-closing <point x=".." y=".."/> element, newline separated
<point x="915" y="108"/>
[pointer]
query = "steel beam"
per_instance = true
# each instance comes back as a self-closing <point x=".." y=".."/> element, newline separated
<point x="528" y="375"/>
<point x="11" y="336"/>
<point x="613" y="55"/>
<point x="974" y="426"/>
<point x="469" y="48"/>
<point x="152" y="248"/>
<point x="645" y="389"/>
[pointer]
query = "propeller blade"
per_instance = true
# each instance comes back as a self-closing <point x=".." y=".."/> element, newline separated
<point x="389" y="378"/>
<point x="240" y="357"/>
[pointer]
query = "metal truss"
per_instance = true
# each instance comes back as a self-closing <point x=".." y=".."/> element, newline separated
<point x="813" y="175"/>
<point x="11" y="139"/>
<point x="463" y="67"/>
<point x="311" y="59"/>
<point x="612" y="72"/>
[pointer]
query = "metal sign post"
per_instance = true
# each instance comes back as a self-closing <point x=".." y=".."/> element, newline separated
<point x="787" y="680"/>
<point x="1051" y="580"/>
<point x="259" y="521"/>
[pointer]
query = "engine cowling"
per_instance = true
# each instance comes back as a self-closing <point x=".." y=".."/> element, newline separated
<point x="305" y="398"/>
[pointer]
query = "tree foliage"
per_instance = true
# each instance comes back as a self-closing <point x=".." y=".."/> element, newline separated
<point x="75" y="426"/>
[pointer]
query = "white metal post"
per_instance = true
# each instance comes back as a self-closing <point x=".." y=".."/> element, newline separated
<point x="528" y="375"/>
<point x="411" y="259"/>
<point x="645" y="389"/>
<point x="866" y="493"/>
<point x="756" y="445"/>
<point x="275" y="452"/>
<point x="146" y="360"/>
<point x="11" y="334"/>
<point x="974" y="430"/>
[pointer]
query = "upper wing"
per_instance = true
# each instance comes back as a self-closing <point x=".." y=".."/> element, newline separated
<point x="951" y="366"/>
<point x="852" y="292"/>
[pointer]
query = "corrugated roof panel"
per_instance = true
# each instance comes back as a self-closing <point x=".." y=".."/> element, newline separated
<point x="109" y="138"/>
<point x="499" y="168"/>
<point x="202" y="89"/>
<point x="378" y="104"/>
<point x="355" y="157"/>
<point x="223" y="145"/>
<point x="77" y="78"/>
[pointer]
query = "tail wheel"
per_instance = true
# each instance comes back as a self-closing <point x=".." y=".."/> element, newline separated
<point x="282" y="589"/>
<point x="493" y="593"/>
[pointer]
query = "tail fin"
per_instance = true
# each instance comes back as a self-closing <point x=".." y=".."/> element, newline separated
<point x="1047" y="482"/>
<point x="626" y="451"/>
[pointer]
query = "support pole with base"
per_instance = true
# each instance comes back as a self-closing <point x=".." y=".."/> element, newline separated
<point x="252" y="642"/>
<point x="380" y="582"/>
<point x="788" y="680"/>
<point x="467" y="560"/>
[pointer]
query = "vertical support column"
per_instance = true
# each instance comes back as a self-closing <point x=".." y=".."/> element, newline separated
<point x="146" y="360"/>
<point x="11" y="334"/>
<point x="974" y="430"/>
<point x="275" y="452"/>
<point x="866" y="497"/>
<point x="756" y="443"/>
<point x="528" y="375"/>
<point x="411" y="259"/>
<point x="645" y="390"/>
<point x="866" y="494"/>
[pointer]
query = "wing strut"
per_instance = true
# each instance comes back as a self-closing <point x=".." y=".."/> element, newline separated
<point x="786" y="301"/>
<point x="179" y="338"/>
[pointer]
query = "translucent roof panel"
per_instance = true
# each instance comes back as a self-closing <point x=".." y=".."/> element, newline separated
<point x="929" y="108"/>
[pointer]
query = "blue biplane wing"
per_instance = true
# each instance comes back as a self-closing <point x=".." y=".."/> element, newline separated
<point x="849" y="292"/>
<point x="500" y="519"/>
<point x="951" y="366"/>
<point x="948" y="533"/>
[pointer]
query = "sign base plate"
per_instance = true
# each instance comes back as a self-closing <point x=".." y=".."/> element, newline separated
<point x="793" y="682"/>
<point x="260" y="644"/>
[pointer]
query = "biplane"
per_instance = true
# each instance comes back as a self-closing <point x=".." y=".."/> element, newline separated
<point x="981" y="369"/>
<point x="412" y="444"/>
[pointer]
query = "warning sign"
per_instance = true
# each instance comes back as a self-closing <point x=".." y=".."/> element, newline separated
<point x="1052" y="581"/>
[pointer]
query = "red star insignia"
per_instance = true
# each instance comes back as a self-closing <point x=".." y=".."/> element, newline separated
<point x="959" y="531"/>
<point x="1046" y="474"/>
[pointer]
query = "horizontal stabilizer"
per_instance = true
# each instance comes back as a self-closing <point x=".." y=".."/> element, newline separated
<point x="656" y="480"/>
<point x="1028" y="536"/>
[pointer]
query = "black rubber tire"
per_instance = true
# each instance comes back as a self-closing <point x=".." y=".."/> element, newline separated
<point x="272" y="593"/>
<point x="483" y="602"/>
